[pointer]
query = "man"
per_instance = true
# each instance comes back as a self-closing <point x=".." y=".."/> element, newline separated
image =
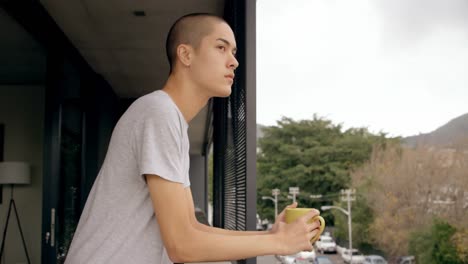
<point x="140" y="209"/>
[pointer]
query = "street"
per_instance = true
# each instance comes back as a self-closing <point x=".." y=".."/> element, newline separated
<point x="336" y="259"/>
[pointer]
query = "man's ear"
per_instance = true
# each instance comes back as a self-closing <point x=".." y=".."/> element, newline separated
<point x="184" y="54"/>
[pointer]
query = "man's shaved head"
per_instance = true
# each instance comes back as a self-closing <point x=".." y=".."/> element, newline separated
<point x="189" y="29"/>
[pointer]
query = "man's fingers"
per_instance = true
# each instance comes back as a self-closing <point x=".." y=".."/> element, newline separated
<point x="312" y="234"/>
<point x="281" y="215"/>
<point x="313" y="226"/>
<point x="311" y="214"/>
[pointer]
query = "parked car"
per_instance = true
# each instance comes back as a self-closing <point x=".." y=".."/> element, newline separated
<point x="353" y="256"/>
<point x="289" y="259"/>
<point x="406" y="260"/>
<point x="305" y="257"/>
<point x="339" y="250"/>
<point x="323" y="260"/>
<point x="374" y="259"/>
<point x="325" y="244"/>
<point x="259" y="223"/>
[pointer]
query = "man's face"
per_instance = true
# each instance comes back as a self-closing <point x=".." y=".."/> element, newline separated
<point x="214" y="62"/>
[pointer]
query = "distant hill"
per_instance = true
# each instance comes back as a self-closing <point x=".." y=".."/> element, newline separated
<point x="453" y="133"/>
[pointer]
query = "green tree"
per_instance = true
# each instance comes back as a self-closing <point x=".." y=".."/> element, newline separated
<point x="362" y="218"/>
<point x="435" y="246"/>
<point x="460" y="239"/>
<point x="315" y="155"/>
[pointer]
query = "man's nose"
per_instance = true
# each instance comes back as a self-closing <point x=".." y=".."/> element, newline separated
<point x="234" y="63"/>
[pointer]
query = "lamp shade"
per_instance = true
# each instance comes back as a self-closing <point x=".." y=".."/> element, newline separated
<point x="15" y="172"/>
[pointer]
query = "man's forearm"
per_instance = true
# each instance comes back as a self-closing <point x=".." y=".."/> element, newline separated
<point x="215" y="230"/>
<point x="207" y="246"/>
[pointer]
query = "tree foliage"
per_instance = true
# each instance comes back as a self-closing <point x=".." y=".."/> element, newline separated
<point x="406" y="188"/>
<point x="362" y="218"/>
<point x="435" y="245"/>
<point x="314" y="155"/>
<point x="460" y="240"/>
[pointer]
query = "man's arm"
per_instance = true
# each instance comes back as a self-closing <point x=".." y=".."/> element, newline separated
<point x="206" y="228"/>
<point x="185" y="243"/>
<point x="217" y="230"/>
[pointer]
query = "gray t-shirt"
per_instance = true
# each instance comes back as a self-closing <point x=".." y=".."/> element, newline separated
<point x="118" y="223"/>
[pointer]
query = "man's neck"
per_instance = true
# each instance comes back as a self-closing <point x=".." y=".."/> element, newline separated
<point x="187" y="98"/>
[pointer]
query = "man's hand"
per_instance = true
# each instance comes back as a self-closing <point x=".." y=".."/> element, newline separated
<point x="296" y="236"/>
<point x="280" y="218"/>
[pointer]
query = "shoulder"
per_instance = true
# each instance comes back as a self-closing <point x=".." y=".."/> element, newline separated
<point x="157" y="109"/>
<point x="155" y="101"/>
<point x="155" y="106"/>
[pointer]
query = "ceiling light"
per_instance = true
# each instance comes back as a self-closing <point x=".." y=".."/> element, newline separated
<point x="139" y="13"/>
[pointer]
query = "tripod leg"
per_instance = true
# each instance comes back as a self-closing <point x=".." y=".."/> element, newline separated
<point x="6" y="228"/>
<point x="21" y="232"/>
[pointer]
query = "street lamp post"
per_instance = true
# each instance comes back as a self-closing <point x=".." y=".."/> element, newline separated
<point x="275" y="193"/>
<point x="348" y="196"/>
<point x="294" y="191"/>
<point x="328" y="207"/>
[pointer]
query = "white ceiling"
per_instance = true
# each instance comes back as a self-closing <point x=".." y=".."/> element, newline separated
<point x="127" y="50"/>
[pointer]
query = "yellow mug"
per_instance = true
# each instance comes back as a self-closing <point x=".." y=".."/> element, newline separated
<point x="294" y="213"/>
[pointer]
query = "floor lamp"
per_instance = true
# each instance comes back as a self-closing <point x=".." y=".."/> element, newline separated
<point x="14" y="173"/>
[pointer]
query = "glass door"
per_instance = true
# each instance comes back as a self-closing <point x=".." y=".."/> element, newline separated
<point x="63" y="160"/>
<point x="62" y="185"/>
<point x="71" y="164"/>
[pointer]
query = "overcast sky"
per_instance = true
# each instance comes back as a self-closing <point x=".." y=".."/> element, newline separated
<point x="397" y="66"/>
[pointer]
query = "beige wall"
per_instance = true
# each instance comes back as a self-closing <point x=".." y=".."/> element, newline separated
<point x="22" y="112"/>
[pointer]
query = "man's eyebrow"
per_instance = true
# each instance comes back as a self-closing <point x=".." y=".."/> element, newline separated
<point x="227" y="43"/>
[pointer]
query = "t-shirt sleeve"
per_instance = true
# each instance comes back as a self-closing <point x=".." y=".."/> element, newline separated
<point x="158" y="146"/>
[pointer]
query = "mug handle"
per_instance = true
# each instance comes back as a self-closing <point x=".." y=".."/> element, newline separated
<point x="321" y="228"/>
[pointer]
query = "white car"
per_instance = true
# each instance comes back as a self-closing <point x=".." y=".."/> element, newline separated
<point x="289" y="259"/>
<point x="302" y="257"/>
<point x="305" y="257"/>
<point x="374" y="259"/>
<point x="406" y="260"/>
<point x="259" y="223"/>
<point x="353" y="256"/>
<point x="339" y="250"/>
<point x="325" y="244"/>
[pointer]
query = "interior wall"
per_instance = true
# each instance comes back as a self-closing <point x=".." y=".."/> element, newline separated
<point x="22" y="113"/>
